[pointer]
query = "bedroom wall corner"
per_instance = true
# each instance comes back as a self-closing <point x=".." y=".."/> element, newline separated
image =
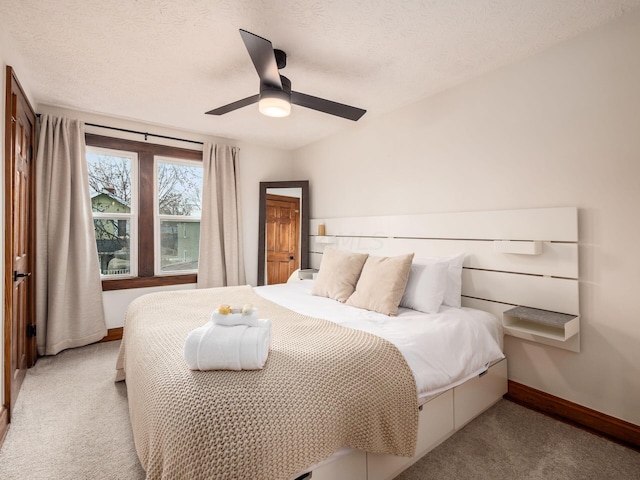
<point x="258" y="164"/>
<point x="556" y="129"/>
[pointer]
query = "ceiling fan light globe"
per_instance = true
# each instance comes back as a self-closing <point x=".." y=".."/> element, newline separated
<point x="274" y="107"/>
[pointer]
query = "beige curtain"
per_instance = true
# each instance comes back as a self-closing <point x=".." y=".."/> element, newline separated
<point x="68" y="290"/>
<point x="221" y="260"/>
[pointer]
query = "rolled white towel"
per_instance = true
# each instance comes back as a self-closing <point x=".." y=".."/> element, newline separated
<point x="191" y="344"/>
<point x="217" y="347"/>
<point x="248" y="317"/>
<point x="255" y="344"/>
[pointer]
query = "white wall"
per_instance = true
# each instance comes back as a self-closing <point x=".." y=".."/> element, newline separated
<point x="116" y="302"/>
<point x="561" y="128"/>
<point x="257" y="164"/>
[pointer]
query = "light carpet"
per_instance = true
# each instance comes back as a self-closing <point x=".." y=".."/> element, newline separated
<point x="71" y="422"/>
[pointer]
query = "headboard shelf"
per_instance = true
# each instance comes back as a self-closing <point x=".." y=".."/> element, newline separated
<point x="495" y="281"/>
<point x="533" y="323"/>
<point x="545" y="224"/>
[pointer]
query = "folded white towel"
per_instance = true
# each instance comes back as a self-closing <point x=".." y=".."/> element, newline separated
<point x="218" y="347"/>
<point x="236" y="317"/>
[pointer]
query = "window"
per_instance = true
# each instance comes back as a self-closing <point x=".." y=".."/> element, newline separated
<point x="146" y="202"/>
<point x="113" y="189"/>
<point x="178" y="202"/>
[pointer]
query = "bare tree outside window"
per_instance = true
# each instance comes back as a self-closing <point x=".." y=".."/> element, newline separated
<point x="179" y="189"/>
<point x="110" y="174"/>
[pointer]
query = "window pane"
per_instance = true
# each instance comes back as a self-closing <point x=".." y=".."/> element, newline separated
<point x="109" y="182"/>
<point x="113" y="239"/>
<point x="179" y="244"/>
<point x="179" y="189"/>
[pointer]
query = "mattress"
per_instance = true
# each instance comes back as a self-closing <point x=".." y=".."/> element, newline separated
<point x="442" y="349"/>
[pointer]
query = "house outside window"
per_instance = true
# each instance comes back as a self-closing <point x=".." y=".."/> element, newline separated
<point x="112" y="180"/>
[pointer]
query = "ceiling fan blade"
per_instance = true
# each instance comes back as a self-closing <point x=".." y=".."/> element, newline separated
<point x="234" y="106"/>
<point x="261" y="53"/>
<point x="327" y="106"/>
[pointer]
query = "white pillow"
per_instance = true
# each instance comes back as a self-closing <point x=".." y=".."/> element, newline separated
<point x="453" y="294"/>
<point x="426" y="286"/>
<point x="453" y="265"/>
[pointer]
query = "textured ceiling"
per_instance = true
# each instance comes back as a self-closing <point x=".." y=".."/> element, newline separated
<point x="166" y="62"/>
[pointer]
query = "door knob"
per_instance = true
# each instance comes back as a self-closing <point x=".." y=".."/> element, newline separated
<point x="17" y="275"/>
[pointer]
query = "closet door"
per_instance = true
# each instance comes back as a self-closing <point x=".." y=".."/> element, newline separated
<point x="19" y="308"/>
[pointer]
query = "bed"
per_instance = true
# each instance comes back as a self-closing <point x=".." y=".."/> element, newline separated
<point x="345" y="393"/>
<point x="490" y="280"/>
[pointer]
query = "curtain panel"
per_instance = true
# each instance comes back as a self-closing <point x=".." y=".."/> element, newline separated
<point x="69" y="311"/>
<point x="221" y="259"/>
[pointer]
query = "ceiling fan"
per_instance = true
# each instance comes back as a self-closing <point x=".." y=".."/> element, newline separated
<point x="275" y="97"/>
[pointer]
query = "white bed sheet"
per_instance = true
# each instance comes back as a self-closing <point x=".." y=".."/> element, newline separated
<point x="442" y="349"/>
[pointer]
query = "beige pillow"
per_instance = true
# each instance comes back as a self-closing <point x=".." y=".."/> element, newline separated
<point x="338" y="274"/>
<point x="382" y="283"/>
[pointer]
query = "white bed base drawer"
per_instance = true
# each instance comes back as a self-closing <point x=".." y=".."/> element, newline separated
<point x="439" y="418"/>
<point x="476" y="395"/>
<point x="352" y="466"/>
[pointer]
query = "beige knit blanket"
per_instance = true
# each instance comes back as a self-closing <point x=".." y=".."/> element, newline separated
<point x="323" y="387"/>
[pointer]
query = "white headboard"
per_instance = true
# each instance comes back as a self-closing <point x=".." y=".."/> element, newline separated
<point x="543" y="276"/>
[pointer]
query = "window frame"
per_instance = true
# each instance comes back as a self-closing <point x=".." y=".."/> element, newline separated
<point x="132" y="216"/>
<point x="158" y="217"/>
<point x="145" y="209"/>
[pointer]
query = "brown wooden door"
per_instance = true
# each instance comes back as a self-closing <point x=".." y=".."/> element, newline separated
<point x="20" y="346"/>
<point x="282" y="237"/>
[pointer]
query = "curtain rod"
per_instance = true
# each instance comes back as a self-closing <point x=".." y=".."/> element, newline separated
<point x="137" y="132"/>
<point x="146" y="134"/>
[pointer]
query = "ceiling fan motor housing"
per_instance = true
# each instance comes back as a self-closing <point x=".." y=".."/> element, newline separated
<point x="281" y="58"/>
<point x="275" y="101"/>
<point x="275" y="92"/>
